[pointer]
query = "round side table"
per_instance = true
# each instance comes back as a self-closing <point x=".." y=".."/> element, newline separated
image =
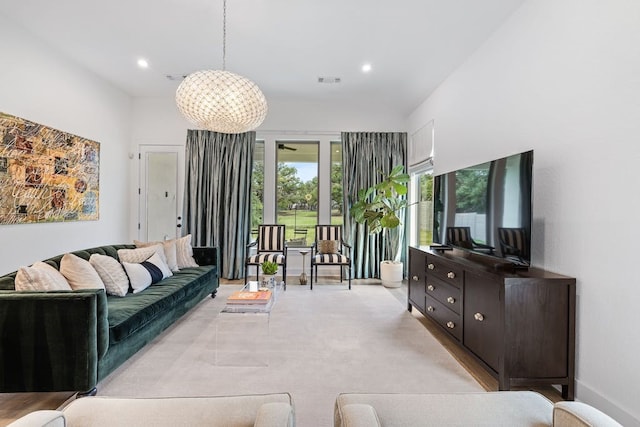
<point x="303" y="276"/>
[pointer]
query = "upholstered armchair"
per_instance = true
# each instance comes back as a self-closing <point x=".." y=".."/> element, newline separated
<point x="270" y="246"/>
<point x="329" y="249"/>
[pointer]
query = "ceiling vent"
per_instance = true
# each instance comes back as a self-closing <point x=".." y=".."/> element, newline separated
<point x="329" y="80"/>
<point x="176" y="77"/>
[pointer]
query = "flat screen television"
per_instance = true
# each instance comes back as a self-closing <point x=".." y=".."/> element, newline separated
<point x="486" y="208"/>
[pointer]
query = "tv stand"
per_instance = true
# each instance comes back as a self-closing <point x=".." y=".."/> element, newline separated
<point x="518" y="324"/>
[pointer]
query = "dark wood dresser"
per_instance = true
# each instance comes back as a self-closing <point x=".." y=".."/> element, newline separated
<point x="519" y="324"/>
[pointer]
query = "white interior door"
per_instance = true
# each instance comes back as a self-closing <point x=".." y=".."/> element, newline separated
<point x="161" y="188"/>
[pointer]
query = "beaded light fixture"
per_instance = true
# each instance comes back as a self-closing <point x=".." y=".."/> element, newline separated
<point x="220" y="100"/>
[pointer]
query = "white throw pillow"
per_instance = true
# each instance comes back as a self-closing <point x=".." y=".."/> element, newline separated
<point x="142" y="275"/>
<point x="38" y="279"/>
<point x="56" y="276"/>
<point x="140" y="254"/>
<point x="80" y="273"/>
<point x="170" y="254"/>
<point x="184" y="252"/>
<point x="112" y="274"/>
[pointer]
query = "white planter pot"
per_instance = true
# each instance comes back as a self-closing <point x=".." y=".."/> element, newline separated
<point x="268" y="281"/>
<point x="391" y="273"/>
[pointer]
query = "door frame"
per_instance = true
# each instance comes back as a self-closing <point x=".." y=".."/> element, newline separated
<point x="143" y="150"/>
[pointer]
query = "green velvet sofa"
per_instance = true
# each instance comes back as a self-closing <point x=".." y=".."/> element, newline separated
<point x="71" y="340"/>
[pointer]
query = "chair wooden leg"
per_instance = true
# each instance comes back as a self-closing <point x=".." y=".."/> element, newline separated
<point x="311" y="283"/>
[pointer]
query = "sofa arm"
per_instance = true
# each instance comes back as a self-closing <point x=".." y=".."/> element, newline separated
<point x="48" y="340"/>
<point x="206" y="255"/>
<point x="275" y="414"/>
<point x="577" y="414"/>
<point x="40" y="419"/>
<point x="359" y="415"/>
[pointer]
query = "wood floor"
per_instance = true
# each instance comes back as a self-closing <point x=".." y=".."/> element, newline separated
<point x="15" y="405"/>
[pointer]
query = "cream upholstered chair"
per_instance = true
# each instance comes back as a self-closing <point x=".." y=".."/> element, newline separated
<point x="263" y="410"/>
<point x="329" y="249"/>
<point x="271" y="246"/>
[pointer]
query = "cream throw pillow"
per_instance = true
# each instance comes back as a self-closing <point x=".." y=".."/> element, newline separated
<point x="112" y="274"/>
<point x="39" y="278"/>
<point x="170" y="253"/>
<point x="185" y="252"/>
<point x="80" y="273"/>
<point x="57" y="277"/>
<point x="140" y="254"/>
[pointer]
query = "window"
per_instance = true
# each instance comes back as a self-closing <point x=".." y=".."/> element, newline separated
<point x="336" y="183"/>
<point x="257" y="188"/>
<point x="422" y="212"/>
<point x="297" y="190"/>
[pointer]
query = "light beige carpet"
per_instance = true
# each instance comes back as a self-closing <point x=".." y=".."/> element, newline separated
<point x="321" y="343"/>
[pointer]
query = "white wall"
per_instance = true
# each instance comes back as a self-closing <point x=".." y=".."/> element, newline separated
<point x="158" y="119"/>
<point x="39" y="85"/>
<point x="562" y="77"/>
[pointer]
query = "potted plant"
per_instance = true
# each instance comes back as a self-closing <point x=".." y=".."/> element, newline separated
<point x="378" y="208"/>
<point x="269" y="270"/>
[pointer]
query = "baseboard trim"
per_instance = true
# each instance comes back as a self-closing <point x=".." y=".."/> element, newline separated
<point x="588" y="395"/>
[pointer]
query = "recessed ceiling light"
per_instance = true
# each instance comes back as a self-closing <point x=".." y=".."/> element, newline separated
<point x="366" y="68"/>
<point x="143" y="63"/>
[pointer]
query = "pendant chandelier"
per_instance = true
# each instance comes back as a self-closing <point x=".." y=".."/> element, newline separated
<point x="219" y="100"/>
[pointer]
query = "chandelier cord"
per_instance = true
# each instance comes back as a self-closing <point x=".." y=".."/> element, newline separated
<point x="224" y="35"/>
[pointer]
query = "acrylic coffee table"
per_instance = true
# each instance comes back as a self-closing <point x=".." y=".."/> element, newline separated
<point x="242" y="332"/>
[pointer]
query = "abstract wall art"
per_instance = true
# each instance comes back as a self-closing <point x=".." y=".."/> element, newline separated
<point x="46" y="175"/>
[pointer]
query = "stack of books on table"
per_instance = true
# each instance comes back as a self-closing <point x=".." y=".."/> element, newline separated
<point x="247" y="297"/>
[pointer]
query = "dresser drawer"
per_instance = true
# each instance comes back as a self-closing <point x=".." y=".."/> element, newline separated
<point x="445" y="293"/>
<point x="445" y="317"/>
<point x="448" y="272"/>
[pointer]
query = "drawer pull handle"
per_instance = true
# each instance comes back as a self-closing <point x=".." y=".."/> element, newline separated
<point x="430" y="266"/>
<point x="451" y="275"/>
<point x="431" y="287"/>
<point x="430" y="309"/>
<point x="451" y="325"/>
<point x="479" y="317"/>
<point x="451" y="300"/>
<point x="415" y="278"/>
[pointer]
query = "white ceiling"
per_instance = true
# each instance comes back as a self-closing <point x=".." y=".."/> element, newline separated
<point x="282" y="45"/>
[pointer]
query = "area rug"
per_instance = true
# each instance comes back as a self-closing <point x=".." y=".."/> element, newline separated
<point x="320" y="343"/>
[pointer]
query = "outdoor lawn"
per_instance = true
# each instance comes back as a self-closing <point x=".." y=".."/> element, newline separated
<point x="298" y="219"/>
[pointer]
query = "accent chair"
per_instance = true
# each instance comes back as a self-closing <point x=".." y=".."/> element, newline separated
<point x="329" y="249"/>
<point x="271" y="246"/>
